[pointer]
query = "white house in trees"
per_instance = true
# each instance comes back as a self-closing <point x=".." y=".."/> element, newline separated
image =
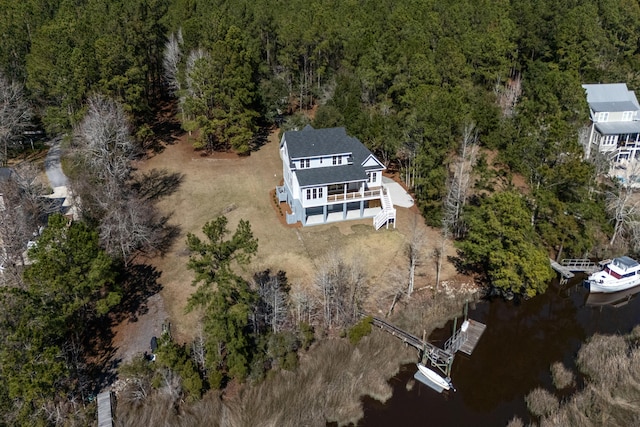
<point x="330" y="176"/>
<point x="615" y="121"/>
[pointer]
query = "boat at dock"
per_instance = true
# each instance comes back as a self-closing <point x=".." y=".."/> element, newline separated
<point x="433" y="377"/>
<point x="617" y="275"/>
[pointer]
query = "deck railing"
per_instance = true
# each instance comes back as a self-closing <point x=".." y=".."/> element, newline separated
<point x="356" y="195"/>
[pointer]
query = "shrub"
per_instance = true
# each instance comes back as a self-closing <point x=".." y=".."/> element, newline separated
<point x="307" y="335"/>
<point x="360" y="330"/>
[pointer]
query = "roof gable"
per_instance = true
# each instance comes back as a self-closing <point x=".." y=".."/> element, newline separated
<point x="372" y="162"/>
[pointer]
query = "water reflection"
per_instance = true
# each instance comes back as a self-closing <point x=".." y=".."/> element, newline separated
<point x="512" y="358"/>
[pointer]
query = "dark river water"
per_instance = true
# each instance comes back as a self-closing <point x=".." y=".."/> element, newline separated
<point x="512" y="358"/>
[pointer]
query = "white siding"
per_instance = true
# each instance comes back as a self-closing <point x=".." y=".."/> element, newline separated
<point x="318" y="200"/>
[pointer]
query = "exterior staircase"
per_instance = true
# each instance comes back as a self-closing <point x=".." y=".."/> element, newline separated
<point x="388" y="212"/>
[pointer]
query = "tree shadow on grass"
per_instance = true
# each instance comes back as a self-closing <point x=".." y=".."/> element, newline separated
<point x="261" y="138"/>
<point x="165" y="127"/>
<point x="157" y="183"/>
<point x="140" y="283"/>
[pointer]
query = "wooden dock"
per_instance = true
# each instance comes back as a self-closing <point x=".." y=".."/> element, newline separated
<point x="435" y="352"/>
<point x="564" y="272"/>
<point x="105" y="409"/>
<point x="581" y="265"/>
<point x="463" y="340"/>
<point x="473" y="334"/>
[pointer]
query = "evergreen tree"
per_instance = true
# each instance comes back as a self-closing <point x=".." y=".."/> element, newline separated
<point x="225" y="297"/>
<point x="501" y="242"/>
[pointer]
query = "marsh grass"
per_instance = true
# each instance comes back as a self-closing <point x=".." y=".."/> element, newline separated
<point x="611" y="394"/>
<point x="328" y="385"/>
<point x="541" y="402"/>
<point x="561" y="376"/>
<point x="515" y="422"/>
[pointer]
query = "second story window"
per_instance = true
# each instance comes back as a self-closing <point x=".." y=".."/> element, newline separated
<point x="304" y="163"/>
<point x="337" y="160"/>
<point x="603" y="116"/>
<point x="314" y="193"/>
<point x="627" y="116"/>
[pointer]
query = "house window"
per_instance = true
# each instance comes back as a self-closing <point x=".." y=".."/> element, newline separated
<point x="371" y="177"/>
<point x="603" y="117"/>
<point x="627" y="116"/>
<point x="304" y="163"/>
<point x="314" y="193"/>
<point x="337" y="160"/>
<point x="610" y="139"/>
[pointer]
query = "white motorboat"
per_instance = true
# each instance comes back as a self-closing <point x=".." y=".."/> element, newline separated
<point x="619" y="274"/>
<point x="434" y="377"/>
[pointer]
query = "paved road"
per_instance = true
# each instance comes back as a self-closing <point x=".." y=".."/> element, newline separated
<point x="52" y="166"/>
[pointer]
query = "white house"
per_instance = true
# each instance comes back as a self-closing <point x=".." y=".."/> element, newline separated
<point x="330" y="176"/>
<point x="615" y="121"/>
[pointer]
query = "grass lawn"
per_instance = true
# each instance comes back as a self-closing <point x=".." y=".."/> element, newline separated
<point x="239" y="187"/>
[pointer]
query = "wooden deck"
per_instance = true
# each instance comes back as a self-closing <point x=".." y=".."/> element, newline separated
<point x="565" y="272"/>
<point x="473" y="334"/>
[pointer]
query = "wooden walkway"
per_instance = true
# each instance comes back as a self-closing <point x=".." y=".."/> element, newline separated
<point x="582" y="265"/>
<point x="466" y="340"/>
<point x="473" y="333"/>
<point x="435" y="352"/>
<point x="105" y="416"/>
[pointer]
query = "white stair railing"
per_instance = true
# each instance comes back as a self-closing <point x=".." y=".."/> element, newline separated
<point x="388" y="212"/>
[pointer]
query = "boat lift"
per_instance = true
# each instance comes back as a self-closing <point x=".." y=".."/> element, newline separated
<point x="463" y="339"/>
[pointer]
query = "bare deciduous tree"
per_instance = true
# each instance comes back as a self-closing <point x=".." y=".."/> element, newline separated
<point x="15" y="115"/>
<point x="304" y="305"/>
<point x="127" y="225"/>
<point x="623" y="211"/>
<point x="104" y="139"/>
<point x="273" y="307"/>
<point x="171" y="60"/>
<point x="413" y="249"/>
<point x="198" y="352"/>
<point x="341" y="288"/>
<point x="22" y="211"/>
<point x="621" y="205"/>
<point x="508" y="93"/>
<point x="110" y="195"/>
<point x="458" y="185"/>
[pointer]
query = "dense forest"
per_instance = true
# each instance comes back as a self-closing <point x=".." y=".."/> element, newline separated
<point x="421" y="83"/>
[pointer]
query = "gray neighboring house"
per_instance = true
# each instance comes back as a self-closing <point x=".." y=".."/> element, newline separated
<point x="615" y="121"/>
<point x="330" y="176"/>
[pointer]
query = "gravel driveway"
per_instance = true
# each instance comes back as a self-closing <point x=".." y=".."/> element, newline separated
<point x="52" y="166"/>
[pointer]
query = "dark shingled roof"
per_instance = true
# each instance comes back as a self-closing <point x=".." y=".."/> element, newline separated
<point x="330" y="175"/>
<point x="310" y="142"/>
